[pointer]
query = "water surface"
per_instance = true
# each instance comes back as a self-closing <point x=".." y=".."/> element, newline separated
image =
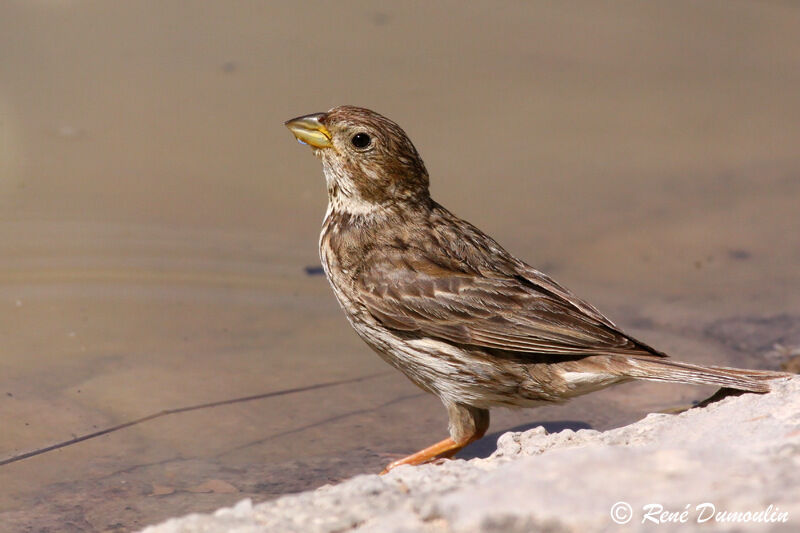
<point x="157" y="222"/>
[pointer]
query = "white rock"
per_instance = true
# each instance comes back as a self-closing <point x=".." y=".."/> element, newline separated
<point x="740" y="455"/>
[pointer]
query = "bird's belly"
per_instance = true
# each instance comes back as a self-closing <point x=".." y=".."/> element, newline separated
<point x="452" y="373"/>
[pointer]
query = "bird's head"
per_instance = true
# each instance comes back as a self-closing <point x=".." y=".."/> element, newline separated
<point x="368" y="160"/>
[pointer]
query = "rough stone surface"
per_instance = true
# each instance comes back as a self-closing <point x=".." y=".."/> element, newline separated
<point x="741" y="454"/>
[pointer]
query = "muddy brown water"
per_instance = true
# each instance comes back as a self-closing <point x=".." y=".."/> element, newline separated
<point x="157" y="222"/>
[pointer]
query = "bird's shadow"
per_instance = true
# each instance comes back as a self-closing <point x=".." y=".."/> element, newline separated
<point x="487" y="445"/>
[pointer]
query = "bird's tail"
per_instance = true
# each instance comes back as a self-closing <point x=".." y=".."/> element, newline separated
<point x="664" y="369"/>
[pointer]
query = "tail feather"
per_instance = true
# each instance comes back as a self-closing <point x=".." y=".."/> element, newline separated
<point x="664" y="369"/>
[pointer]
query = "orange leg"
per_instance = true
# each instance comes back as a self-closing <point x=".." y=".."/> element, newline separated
<point x="467" y="424"/>
<point x="441" y="450"/>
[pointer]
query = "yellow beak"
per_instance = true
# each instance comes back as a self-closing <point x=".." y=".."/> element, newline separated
<point x="309" y="130"/>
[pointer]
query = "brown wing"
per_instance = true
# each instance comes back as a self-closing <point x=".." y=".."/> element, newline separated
<point x="524" y="313"/>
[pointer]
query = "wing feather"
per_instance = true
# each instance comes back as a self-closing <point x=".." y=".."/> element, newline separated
<point x="527" y="312"/>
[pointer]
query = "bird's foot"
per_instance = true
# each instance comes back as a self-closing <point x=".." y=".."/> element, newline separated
<point x="441" y="450"/>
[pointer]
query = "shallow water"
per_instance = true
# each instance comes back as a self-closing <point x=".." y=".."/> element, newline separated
<point x="157" y="221"/>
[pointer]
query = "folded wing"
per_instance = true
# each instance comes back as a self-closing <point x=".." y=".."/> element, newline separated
<point x="526" y="312"/>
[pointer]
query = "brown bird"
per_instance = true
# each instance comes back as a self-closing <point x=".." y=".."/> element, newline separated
<point x="450" y="308"/>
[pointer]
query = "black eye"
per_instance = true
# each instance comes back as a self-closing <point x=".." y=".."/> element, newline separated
<point x="360" y="140"/>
